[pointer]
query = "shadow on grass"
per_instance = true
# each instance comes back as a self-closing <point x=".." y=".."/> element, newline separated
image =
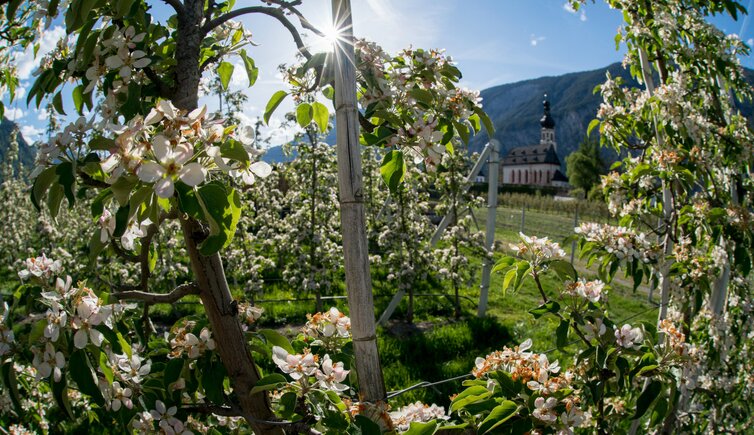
<point x="432" y="352"/>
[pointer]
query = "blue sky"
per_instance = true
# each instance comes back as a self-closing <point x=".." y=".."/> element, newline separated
<point x="493" y="41"/>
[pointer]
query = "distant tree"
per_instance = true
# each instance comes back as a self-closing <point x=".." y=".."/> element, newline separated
<point x="584" y="166"/>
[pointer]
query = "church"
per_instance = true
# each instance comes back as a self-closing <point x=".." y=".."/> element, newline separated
<point x="535" y="165"/>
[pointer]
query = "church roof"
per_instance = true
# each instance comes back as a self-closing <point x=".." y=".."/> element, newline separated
<point x="559" y="176"/>
<point x="526" y="155"/>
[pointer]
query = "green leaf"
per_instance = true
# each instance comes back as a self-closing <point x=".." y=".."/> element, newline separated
<point x="416" y="428"/>
<point x="485" y="121"/>
<point x="269" y="382"/>
<point x="54" y="198"/>
<point x="328" y="92"/>
<point x="67" y="179"/>
<point x="57" y="103"/>
<point x="277" y="339"/>
<point x="549" y="307"/>
<point x="212" y="381"/>
<point x="321" y="115"/>
<point x="251" y="70"/>
<point x="78" y="99"/>
<point x="37" y="331"/>
<point x="188" y="202"/>
<point x="101" y="144"/>
<point x="235" y="150"/>
<point x="422" y="95"/>
<point x="463" y="131"/>
<point x="646" y="398"/>
<point x="594" y="123"/>
<point x="172" y="372"/>
<point x="471" y="394"/>
<point x="60" y="394"/>
<point x="11" y="385"/>
<point x="393" y="169"/>
<point x="222" y="210"/>
<point x="41" y="185"/>
<point x="561" y="334"/>
<point x="273" y="104"/>
<point x="564" y="270"/>
<point x="104" y="366"/>
<point x="225" y="71"/>
<point x="122" y="189"/>
<point x="81" y="373"/>
<point x="499" y="415"/>
<point x="304" y="114"/>
<point x="367" y="426"/>
<point x="510" y="387"/>
<point x="503" y="263"/>
<point x="515" y="277"/>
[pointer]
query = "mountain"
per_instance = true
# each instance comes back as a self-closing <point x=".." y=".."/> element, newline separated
<point x="26" y="153"/>
<point x="515" y="110"/>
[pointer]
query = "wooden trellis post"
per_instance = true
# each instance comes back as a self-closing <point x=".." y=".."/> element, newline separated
<point x="352" y="214"/>
<point x="492" y="187"/>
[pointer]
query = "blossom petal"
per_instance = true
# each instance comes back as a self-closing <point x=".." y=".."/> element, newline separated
<point x="150" y="172"/>
<point x="164" y="188"/>
<point x="161" y="147"/>
<point x="261" y="169"/>
<point x="80" y="339"/>
<point x="192" y="174"/>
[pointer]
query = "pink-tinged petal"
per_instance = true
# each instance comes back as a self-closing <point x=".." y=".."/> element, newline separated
<point x="182" y="153"/>
<point x="192" y="174"/>
<point x="104" y="236"/>
<point x="153" y="117"/>
<point x="138" y="54"/>
<point x="142" y="63"/>
<point x="114" y="62"/>
<point x="96" y="337"/>
<point x="116" y="405"/>
<point x="167" y="108"/>
<point x="164" y="188"/>
<point x="197" y="114"/>
<point x="150" y="172"/>
<point x="80" y="339"/>
<point x="125" y="71"/>
<point x="261" y="169"/>
<point x="161" y="147"/>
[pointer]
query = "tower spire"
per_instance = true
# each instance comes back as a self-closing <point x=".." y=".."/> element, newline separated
<point x="548" y="126"/>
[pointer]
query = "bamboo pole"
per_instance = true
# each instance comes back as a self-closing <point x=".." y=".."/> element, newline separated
<point x="353" y="221"/>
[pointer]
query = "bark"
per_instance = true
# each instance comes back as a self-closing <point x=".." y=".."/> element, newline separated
<point x="353" y="221"/>
<point x="221" y="309"/>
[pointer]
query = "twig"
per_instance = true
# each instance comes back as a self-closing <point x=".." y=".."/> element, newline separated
<point x="235" y="411"/>
<point x="276" y="13"/>
<point x="159" y="298"/>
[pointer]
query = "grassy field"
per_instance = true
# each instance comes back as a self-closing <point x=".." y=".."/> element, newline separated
<point x="438" y="347"/>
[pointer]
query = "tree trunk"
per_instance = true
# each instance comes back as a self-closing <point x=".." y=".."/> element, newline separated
<point x="353" y="222"/>
<point x="222" y="311"/>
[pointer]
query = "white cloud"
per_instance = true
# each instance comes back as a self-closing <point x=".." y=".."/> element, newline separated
<point x="30" y="133"/>
<point x="570" y="9"/>
<point x="27" y="62"/>
<point x="750" y="42"/>
<point x="13" y="113"/>
<point x="534" y="40"/>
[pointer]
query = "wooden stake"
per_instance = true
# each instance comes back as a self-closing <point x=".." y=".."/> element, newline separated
<point x="352" y="216"/>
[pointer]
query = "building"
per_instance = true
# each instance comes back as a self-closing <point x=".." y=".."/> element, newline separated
<point x="535" y="165"/>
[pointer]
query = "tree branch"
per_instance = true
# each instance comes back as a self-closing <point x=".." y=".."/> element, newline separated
<point x="276" y="13"/>
<point x="175" y="295"/>
<point x="293" y="427"/>
<point x="162" y="88"/>
<point x="177" y="6"/>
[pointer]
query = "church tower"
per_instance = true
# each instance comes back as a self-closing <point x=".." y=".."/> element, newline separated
<point x="548" y="127"/>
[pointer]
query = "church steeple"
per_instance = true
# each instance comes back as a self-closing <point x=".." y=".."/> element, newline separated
<point x="548" y="126"/>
